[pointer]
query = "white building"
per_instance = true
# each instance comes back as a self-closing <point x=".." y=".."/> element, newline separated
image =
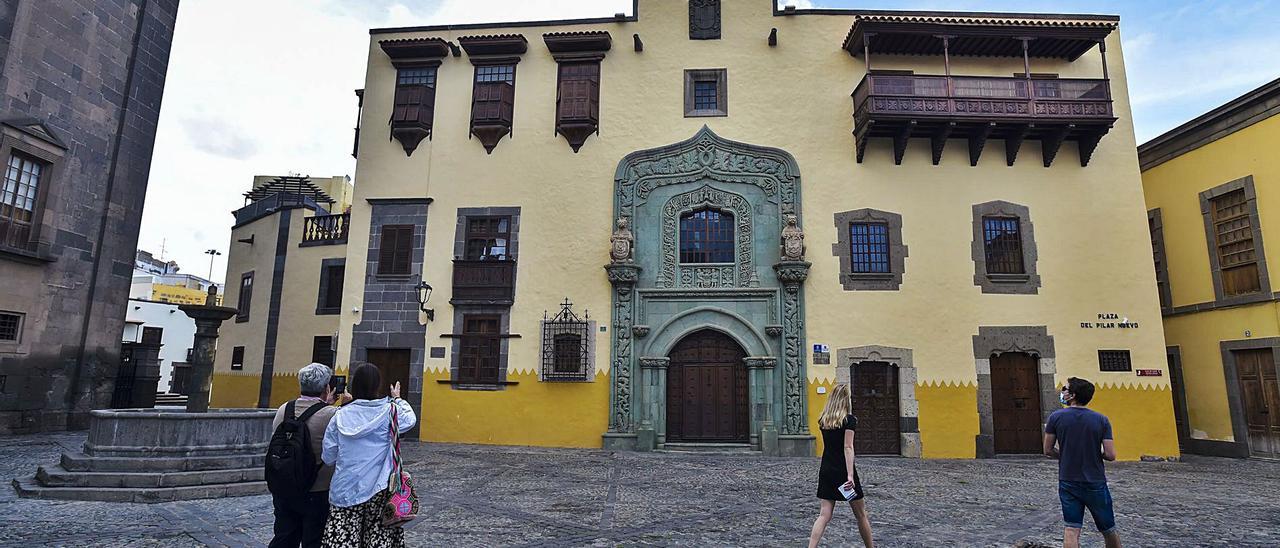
<point x="164" y="322"/>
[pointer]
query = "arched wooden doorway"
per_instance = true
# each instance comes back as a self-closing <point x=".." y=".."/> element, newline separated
<point x="707" y="390"/>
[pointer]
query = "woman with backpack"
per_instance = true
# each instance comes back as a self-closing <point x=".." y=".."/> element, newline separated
<point x="837" y="476"/>
<point x="360" y="445"/>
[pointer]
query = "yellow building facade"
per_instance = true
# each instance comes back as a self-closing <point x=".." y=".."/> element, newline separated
<point x="1211" y="192"/>
<point x="285" y="268"/>
<point x="675" y="227"/>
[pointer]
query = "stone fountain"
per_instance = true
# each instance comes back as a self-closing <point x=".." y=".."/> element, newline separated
<point x="154" y="455"/>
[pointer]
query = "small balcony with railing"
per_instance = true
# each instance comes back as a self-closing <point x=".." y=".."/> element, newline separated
<point x="325" y="230"/>
<point x="901" y="105"/>
<point x="484" y="282"/>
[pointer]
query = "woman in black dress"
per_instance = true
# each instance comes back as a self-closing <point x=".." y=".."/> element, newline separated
<point x="837" y="470"/>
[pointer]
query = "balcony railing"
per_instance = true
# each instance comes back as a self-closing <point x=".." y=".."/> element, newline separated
<point x="326" y="229"/>
<point x="490" y="282"/>
<point x="1012" y="108"/>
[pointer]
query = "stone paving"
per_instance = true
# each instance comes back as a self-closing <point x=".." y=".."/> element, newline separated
<point x="500" y="496"/>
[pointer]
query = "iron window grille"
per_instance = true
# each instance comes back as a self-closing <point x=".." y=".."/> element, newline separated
<point x="869" y="248"/>
<point x="10" y="327"/>
<point x="1003" y="241"/>
<point x="1115" y="360"/>
<point x="566" y="352"/>
<point x="706" y="236"/>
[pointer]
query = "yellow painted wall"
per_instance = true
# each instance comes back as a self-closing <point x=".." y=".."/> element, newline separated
<point x="794" y="97"/>
<point x="948" y="419"/>
<point x="552" y="414"/>
<point x="179" y="294"/>
<point x="240" y="390"/>
<point x="1139" y="419"/>
<point x="1174" y="187"/>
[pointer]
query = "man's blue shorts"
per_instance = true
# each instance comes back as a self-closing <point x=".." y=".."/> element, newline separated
<point x="1078" y="495"/>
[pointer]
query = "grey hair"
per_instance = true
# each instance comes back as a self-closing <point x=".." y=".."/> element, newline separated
<point x="314" y="378"/>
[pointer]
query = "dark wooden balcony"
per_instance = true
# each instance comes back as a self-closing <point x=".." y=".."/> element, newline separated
<point x="484" y="282"/>
<point x="326" y="229"/>
<point x="978" y="108"/>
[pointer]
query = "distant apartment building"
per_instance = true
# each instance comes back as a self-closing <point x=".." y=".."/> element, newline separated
<point x="285" y="268"/>
<point x="1213" y="192"/>
<point x="80" y="94"/>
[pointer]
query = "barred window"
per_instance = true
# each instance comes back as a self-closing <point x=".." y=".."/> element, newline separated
<point x="10" y="326"/>
<point x="1003" y="240"/>
<point x="706" y="236"/>
<point x="1114" y="360"/>
<point x="704" y="95"/>
<point x="1233" y="242"/>
<point x="566" y="347"/>
<point x="869" y="248"/>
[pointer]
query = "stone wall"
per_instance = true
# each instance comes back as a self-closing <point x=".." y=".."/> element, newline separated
<point x="93" y="72"/>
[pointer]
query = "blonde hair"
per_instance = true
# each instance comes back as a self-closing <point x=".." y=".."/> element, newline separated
<point x="839" y="406"/>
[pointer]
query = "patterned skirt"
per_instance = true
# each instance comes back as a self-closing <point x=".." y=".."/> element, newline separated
<point x="360" y="526"/>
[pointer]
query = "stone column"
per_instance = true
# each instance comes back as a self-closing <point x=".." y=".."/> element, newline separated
<point x="621" y="434"/>
<point x="208" y="318"/>
<point x="795" y="439"/>
<point x="653" y="373"/>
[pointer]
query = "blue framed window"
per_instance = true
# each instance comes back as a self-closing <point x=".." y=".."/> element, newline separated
<point x="869" y="248"/>
<point x="706" y="236"/>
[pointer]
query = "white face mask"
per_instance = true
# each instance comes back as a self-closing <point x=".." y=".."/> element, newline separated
<point x="1062" y="397"/>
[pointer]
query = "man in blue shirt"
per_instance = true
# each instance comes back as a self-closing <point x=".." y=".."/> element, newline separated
<point x="1080" y="439"/>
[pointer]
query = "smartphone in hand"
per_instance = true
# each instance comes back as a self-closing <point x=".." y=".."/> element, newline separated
<point x="339" y="384"/>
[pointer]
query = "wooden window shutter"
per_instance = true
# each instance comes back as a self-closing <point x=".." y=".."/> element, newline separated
<point x="333" y="287"/>
<point x="396" y="250"/>
<point x="506" y="104"/>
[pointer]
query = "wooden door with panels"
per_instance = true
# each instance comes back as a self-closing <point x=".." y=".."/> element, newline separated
<point x="1015" y="404"/>
<point x="707" y="390"/>
<point x="1260" y="397"/>
<point x="875" y="403"/>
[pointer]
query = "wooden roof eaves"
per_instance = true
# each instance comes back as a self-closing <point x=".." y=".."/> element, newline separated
<point x="1244" y="111"/>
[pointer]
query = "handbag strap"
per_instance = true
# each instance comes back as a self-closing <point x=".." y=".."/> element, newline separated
<point x="393" y="481"/>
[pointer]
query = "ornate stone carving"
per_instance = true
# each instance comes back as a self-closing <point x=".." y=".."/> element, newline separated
<point x="673" y="273"/>
<point x="792" y="274"/>
<point x="654" y="363"/>
<point x="773" y="330"/>
<point x="640" y="331"/>
<point x="704" y="19"/>
<point x="622" y="244"/>
<point x="760" y="362"/>
<point x="623" y="277"/>
<point x="792" y="240"/>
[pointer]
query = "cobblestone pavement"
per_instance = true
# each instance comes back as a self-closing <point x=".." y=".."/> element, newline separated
<point x="499" y="496"/>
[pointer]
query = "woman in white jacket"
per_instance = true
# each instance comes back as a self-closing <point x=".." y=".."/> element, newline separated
<point x="358" y="443"/>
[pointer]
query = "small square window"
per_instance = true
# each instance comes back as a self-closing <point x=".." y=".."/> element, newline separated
<point x="10" y="326"/>
<point x="1114" y="360"/>
<point x="706" y="92"/>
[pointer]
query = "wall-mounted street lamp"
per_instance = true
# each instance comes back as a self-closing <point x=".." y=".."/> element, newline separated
<point x="424" y="295"/>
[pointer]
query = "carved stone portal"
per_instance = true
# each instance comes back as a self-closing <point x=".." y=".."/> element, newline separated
<point x="658" y="300"/>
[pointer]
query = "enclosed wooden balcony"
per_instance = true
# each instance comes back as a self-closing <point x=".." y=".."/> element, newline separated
<point x="901" y="105"/>
<point x="976" y="108"/>
<point x="484" y="282"/>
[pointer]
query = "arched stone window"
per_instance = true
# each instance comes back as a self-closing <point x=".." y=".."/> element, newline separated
<point x="706" y="236"/>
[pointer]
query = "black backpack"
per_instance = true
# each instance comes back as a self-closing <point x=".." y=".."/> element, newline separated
<point x="291" y="464"/>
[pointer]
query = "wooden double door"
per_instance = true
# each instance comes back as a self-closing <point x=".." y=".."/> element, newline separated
<point x="1015" y="404"/>
<point x="1260" y="396"/>
<point x="707" y="390"/>
<point x="875" y="403"/>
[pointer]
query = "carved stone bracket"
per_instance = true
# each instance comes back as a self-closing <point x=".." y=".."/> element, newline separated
<point x="760" y="362"/>
<point x="640" y="331"/>
<point x="623" y="277"/>
<point x="654" y="363"/>
<point x="792" y="274"/>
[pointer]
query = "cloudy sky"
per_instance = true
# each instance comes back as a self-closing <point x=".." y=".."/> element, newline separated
<point x="272" y="93"/>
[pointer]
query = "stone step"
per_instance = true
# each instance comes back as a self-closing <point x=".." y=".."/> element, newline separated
<point x="57" y="476"/>
<point x="710" y="448"/>
<point x="79" y="462"/>
<point x="30" y="488"/>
